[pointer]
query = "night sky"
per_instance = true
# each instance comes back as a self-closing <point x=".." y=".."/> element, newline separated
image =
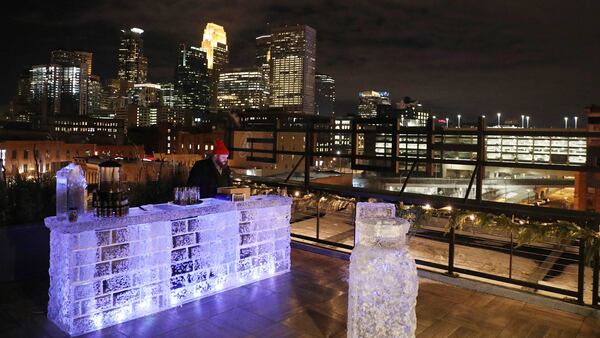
<point x="471" y="57"/>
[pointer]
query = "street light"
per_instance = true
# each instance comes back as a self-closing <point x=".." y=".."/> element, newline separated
<point x="447" y="121"/>
<point x="498" y="119"/>
<point x="527" y="119"/>
<point x="575" y="121"/>
<point x="458" y="126"/>
<point x="522" y="121"/>
<point x="566" y="122"/>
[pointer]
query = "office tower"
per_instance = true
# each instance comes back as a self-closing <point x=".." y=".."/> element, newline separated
<point x="167" y="95"/>
<point x="94" y="95"/>
<point x="263" y="58"/>
<point x="324" y="95"/>
<point x="133" y="65"/>
<point x="214" y="43"/>
<point x="114" y="94"/>
<point x="293" y="59"/>
<point x="369" y="100"/>
<point x="73" y="58"/>
<point x="192" y="81"/>
<point x="168" y="101"/>
<point x="19" y="106"/>
<point x="145" y="95"/>
<point x="57" y="90"/>
<point x="241" y="88"/>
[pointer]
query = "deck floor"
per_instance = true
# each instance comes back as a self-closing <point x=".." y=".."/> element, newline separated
<point x="310" y="301"/>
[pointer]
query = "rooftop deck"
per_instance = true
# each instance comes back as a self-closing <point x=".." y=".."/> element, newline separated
<point x="310" y="301"/>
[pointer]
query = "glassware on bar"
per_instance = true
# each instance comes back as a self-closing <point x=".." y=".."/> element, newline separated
<point x="187" y="195"/>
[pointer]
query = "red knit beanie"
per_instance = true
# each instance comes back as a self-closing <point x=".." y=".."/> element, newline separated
<point x="220" y="148"/>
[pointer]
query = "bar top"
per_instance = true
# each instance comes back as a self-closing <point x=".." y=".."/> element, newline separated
<point x="161" y="212"/>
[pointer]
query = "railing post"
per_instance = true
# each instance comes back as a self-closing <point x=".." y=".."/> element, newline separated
<point x="308" y="151"/>
<point x="595" y="280"/>
<point x="395" y="127"/>
<point x="318" y="217"/>
<point x="510" y="263"/>
<point x="480" y="157"/>
<point x="451" y="252"/>
<point x="429" y="167"/>
<point x="353" y="141"/>
<point x="581" y="272"/>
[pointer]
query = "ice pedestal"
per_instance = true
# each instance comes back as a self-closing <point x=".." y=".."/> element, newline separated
<point x="383" y="282"/>
<point x="70" y="190"/>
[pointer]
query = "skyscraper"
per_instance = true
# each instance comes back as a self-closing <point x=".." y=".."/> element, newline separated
<point x="324" y="95"/>
<point x="145" y="95"/>
<point x="369" y="100"/>
<point x="214" y="43"/>
<point x="94" y="94"/>
<point x="133" y="65"/>
<point x="57" y="90"/>
<point x="241" y="88"/>
<point x="89" y="83"/>
<point x="263" y="58"/>
<point x="167" y="95"/>
<point x="293" y="60"/>
<point x="73" y="58"/>
<point x="191" y="80"/>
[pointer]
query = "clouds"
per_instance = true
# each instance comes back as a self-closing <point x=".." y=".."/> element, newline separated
<point x="468" y="56"/>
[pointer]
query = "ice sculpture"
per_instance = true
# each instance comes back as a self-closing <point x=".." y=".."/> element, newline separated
<point x="383" y="281"/>
<point x="71" y="191"/>
<point x="104" y="271"/>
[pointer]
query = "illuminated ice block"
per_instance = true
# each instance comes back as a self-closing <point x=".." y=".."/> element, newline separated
<point x="383" y="282"/>
<point x="70" y="190"/>
<point x="104" y="271"/>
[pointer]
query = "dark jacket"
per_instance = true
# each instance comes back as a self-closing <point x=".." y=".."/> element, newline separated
<point x="205" y="175"/>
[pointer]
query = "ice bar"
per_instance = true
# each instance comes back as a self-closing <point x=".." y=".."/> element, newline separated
<point x="104" y="271"/>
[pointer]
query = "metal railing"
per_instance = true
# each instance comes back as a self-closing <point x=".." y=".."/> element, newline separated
<point x="552" y="260"/>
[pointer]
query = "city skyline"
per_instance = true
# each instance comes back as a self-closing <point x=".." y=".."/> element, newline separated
<point x="470" y="59"/>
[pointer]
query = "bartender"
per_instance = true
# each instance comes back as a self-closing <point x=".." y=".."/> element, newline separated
<point x="212" y="172"/>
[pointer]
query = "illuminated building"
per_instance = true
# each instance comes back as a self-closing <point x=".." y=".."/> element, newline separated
<point x="192" y="81"/>
<point x="104" y="131"/>
<point x="324" y="95"/>
<point x="19" y="105"/>
<point x="293" y="60"/>
<point x="241" y="88"/>
<point x="410" y="112"/>
<point x="145" y="116"/>
<point x="132" y="64"/>
<point x="369" y="100"/>
<point x="263" y="58"/>
<point x="168" y="102"/>
<point x="214" y="43"/>
<point x="587" y="184"/>
<point x="94" y="95"/>
<point x="269" y="163"/>
<point x="167" y="95"/>
<point x="73" y="58"/>
<point x="57" y="89"/>
<point x="342" y="142"/>
<point x="145" y="95"/>
<point x="22" y="156"/>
